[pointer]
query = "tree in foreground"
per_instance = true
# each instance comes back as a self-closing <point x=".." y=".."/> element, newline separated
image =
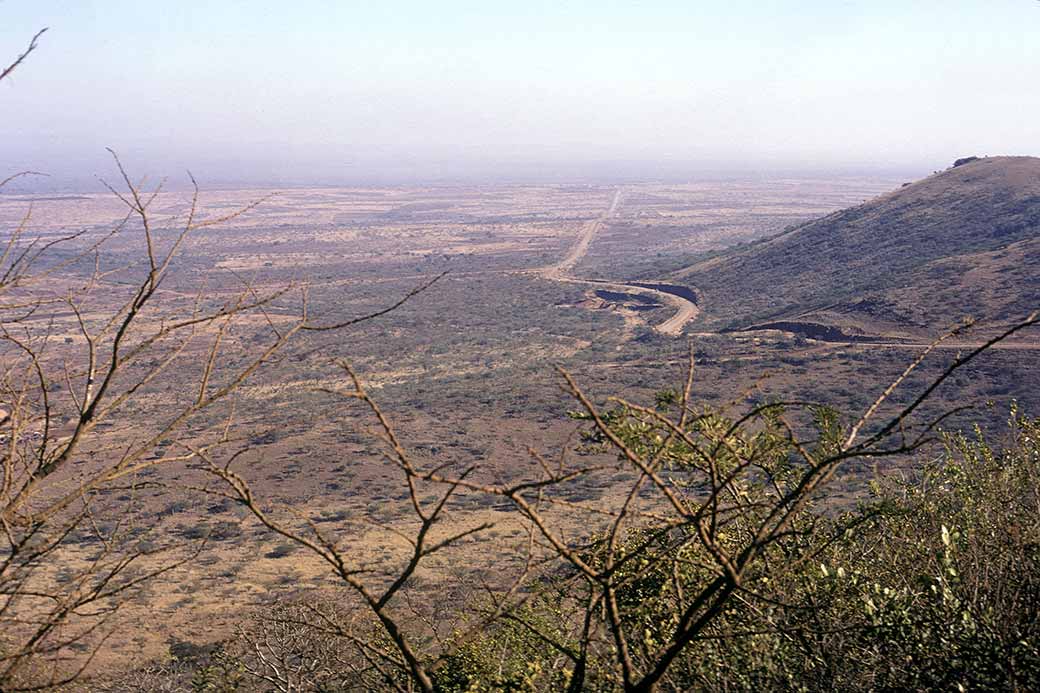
<point x="85" y="346"/>
<point x="715" y="561"/>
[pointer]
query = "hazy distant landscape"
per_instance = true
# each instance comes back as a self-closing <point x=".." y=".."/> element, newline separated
<point x="541" y="348"/>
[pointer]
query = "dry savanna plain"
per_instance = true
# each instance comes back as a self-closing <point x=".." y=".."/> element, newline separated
<point x="531" y="279"/>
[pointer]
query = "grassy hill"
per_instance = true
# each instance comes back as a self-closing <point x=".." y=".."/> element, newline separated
<point x="965" y="241"/>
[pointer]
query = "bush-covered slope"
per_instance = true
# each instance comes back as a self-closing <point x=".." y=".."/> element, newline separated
<point x="962" y="242"/>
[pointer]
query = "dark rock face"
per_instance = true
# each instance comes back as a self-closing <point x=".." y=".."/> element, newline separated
<point x="674" y="289"/>
<point x="811" y="330"/>
<point x="965" y="160"/>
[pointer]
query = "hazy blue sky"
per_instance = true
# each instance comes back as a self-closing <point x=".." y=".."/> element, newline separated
<point x="316" y="89"/>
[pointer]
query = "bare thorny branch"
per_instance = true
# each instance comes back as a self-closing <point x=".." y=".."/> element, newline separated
<point x="33" y="45"/>
<point x="736" y="530"/>
<point x="53" y="399"/>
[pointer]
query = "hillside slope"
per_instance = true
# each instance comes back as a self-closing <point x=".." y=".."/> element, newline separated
<point x="962" y="242"/>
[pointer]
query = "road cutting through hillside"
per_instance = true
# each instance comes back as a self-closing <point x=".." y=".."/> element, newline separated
<point x="685" y="309"/>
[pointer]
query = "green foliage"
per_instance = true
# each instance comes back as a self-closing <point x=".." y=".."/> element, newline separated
<point x="515" y="656"/>
<point x="954" y="599"/>
<point x="934" y="584"/>
<point x="223" y="673"/>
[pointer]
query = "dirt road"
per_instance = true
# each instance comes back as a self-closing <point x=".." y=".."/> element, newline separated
<point x="561" y="269"/>
<point x="685" y="310"/>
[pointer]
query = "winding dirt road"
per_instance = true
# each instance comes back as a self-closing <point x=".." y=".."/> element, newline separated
<point x="686" y="310"/>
